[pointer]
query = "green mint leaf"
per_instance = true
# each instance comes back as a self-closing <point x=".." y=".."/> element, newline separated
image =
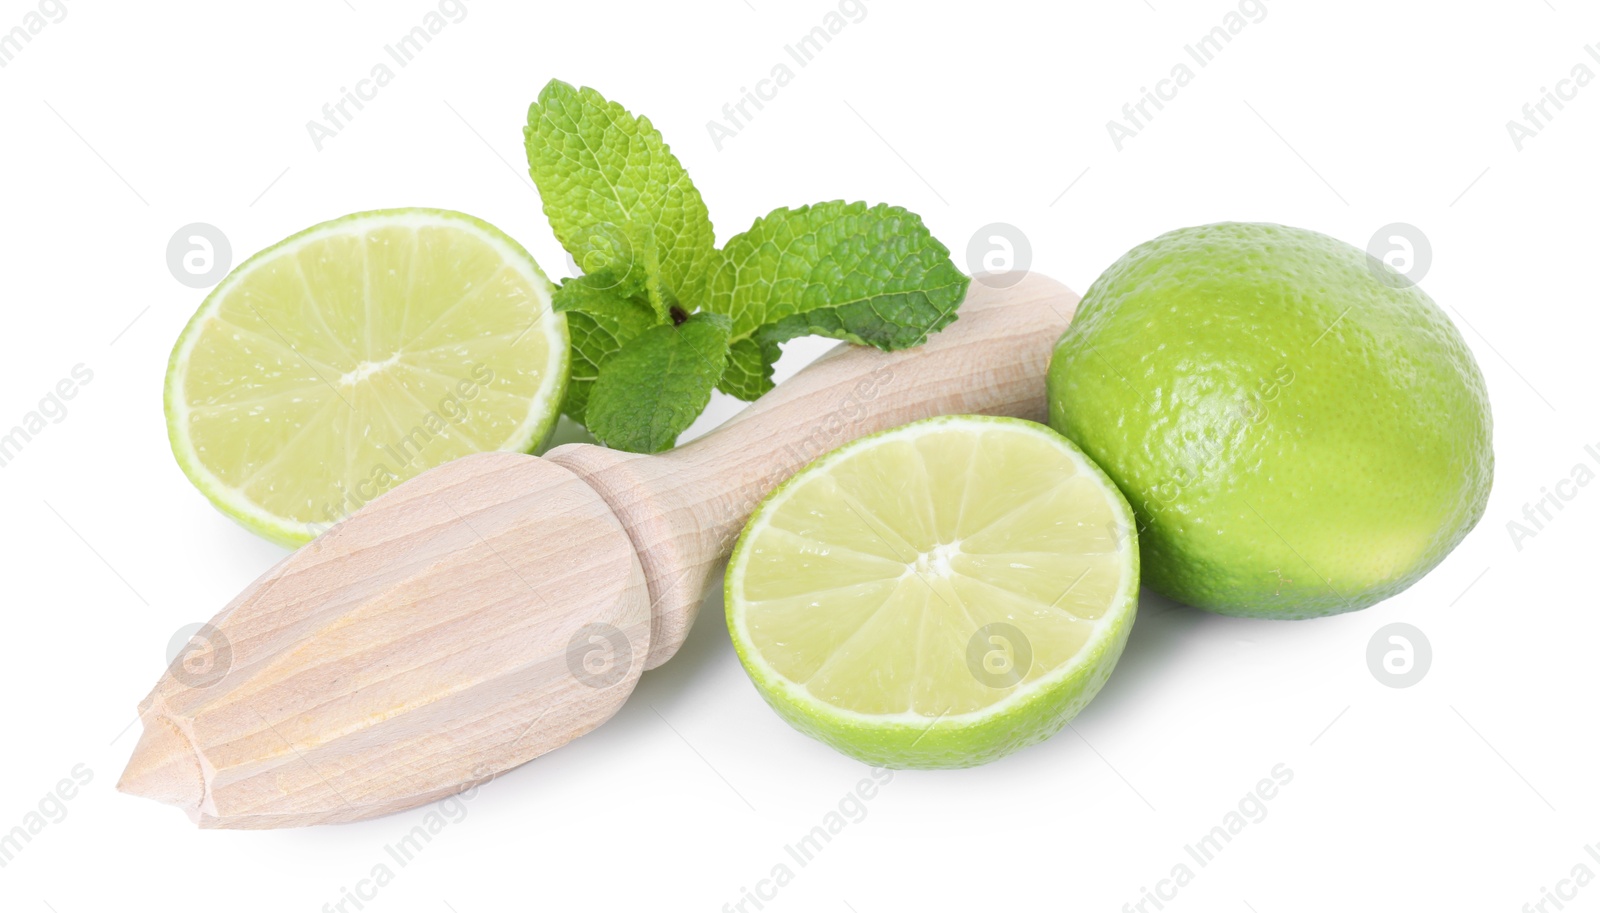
<point x="641" y="281"/>
<point x="868" y="275"/>
<point x="650" y="278"/>
<point x="600" y="321"/>
<point x="658" y="384"/>
<point x="749" y="371"/>
<point x="615" y="195"/>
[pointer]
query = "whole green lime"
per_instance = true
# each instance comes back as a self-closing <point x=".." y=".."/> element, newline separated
<point x="1299" y="430"/>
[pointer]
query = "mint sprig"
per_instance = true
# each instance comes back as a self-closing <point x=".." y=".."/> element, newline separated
<point x="614" y="193"/>
<point x="601" y="320"/>
<point x="866" y="275"/>
<point x="658" y="384"/>
<point x="661" y="316"/>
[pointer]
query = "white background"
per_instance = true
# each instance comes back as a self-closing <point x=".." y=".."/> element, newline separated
<point x="1470" y="790"/>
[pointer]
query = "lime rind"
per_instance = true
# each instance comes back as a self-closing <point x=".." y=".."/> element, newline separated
<point x="530" y="434"/>
<point x="1300" y="433"/>
<point x="1033" y="711"/>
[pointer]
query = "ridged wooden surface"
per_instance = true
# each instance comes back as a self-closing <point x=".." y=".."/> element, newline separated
<point x="500" y="606"/>
<point x="417" y="648"/>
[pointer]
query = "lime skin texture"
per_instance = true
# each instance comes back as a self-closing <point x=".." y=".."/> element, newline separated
<point x="1300" y="430"/>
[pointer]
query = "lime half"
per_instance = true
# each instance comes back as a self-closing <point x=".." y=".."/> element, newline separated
<point x="938" y="595"/>
<point x="346" y="359"/>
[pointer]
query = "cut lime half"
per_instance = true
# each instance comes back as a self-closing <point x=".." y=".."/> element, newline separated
<point x="346" y="359"/>
<point x="937" y="595"/>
